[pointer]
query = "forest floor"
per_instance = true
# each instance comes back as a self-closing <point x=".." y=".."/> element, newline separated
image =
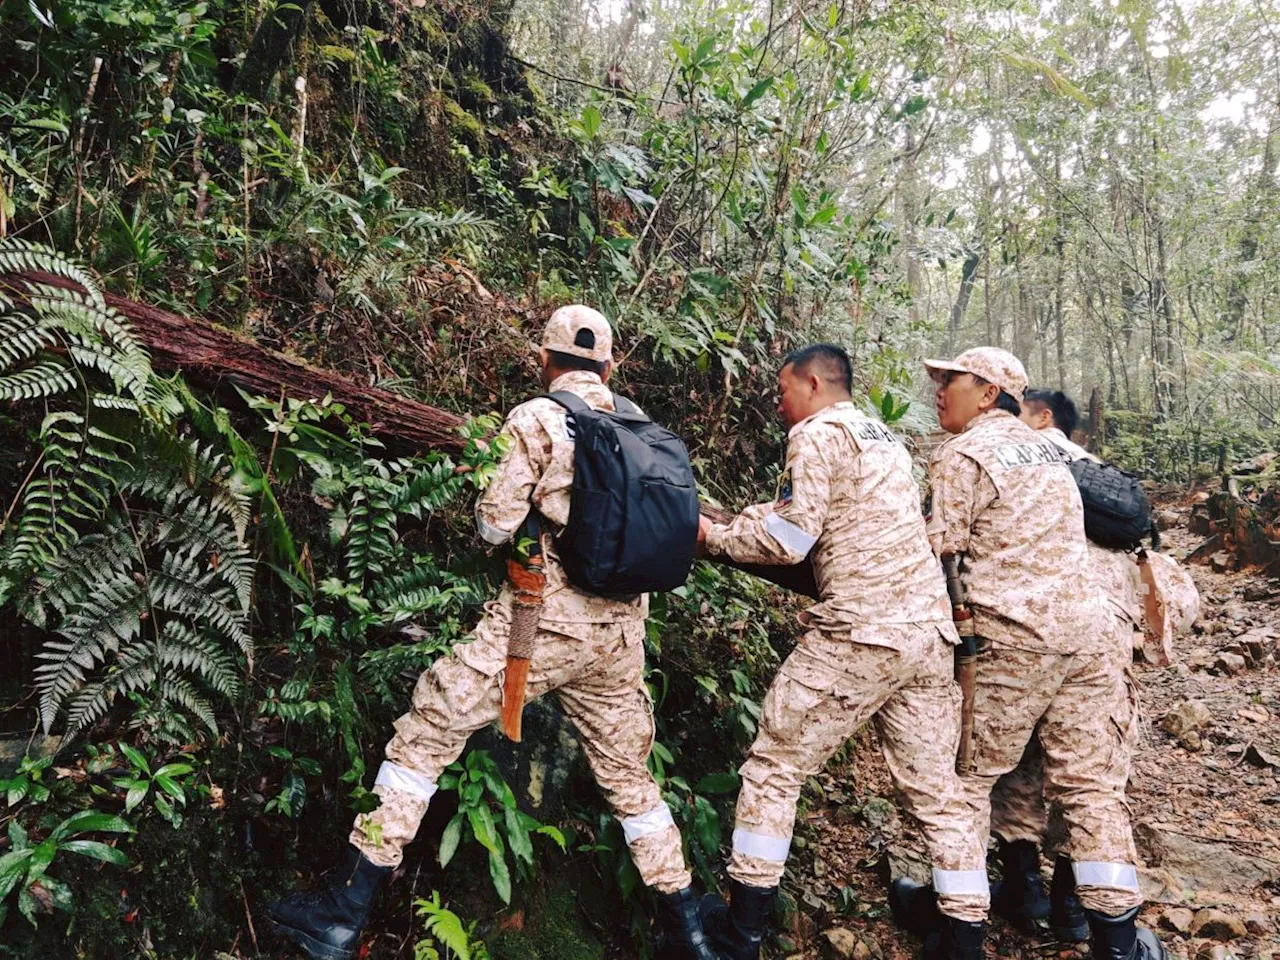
<point x="1205" y="806"/>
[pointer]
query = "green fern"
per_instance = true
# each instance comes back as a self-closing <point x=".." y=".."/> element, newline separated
<point x="129" y="543"/>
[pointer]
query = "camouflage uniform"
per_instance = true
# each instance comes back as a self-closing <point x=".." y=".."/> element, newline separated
<point x="879" y="645"/>
<point x="1018" y="810"/>
<point x="1004" y="500"/>
<point x="589" y="650"/>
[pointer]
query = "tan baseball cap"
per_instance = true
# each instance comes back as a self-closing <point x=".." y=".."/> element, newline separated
<point x="580" y="332"/>
<point x="991" y="364"/>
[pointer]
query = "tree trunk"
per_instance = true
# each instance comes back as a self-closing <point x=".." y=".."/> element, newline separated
<point x="270" y="48"/>
<point x="213" y="356"/>
<point x="967" y="274"/>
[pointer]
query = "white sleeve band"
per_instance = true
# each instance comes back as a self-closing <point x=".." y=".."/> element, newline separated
<point x="396" y="777"/>
<point x="773" y="849"/>
<point x="491" y="534"/>
<point x="961" y="882"/>
<point x="789" y="535"/>
<point x="644" y="824"/>
<point x="1093" y="873"/>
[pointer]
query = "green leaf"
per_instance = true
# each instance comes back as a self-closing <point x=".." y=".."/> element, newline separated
<point x="135" y="796"/>
<point x="97" y="850"/>
<point x="756" y="92"/>
<point x="450" y="838"/>
<point x="518" y="836"/>
<point x="483" y="827"/>
<point x="136" y="758"/>
<point x="174" y="790"/>
<point x="590" y="121"/>
<point x="174" y="770"/>
<point x="914" y="106"/>
<point x="87" y="820"/>
<point x="17" y="835"/>
<point x="555" y="833"/>
<point x="706" y="824"/>
<point x="705" y="49"/>
<point x="13" y="867"/>
<point x="723" y="782"/>
<point x="500" y="875"/>
<point x="43" y="123"/>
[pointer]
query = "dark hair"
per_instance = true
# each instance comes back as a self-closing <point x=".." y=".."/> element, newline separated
<point x="832" y="360"/>
<point x="1065" y="415"/>
<point x="567" y="361"/>
<point x="1006" y="403"/>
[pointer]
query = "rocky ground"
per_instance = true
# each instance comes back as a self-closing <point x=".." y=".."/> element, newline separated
<point x="1205" y="797"/>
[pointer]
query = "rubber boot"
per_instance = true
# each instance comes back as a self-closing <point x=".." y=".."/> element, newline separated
<point x="955" y="940"/>
<point x="736" y="929"/>
<point x="326" y="923"/>
<point x="914" y="906"/>
<point x="1120" y="938"/>
<point x="1020" y="898"/>
<point x="680" y="935"/>
<point x="1066" y="916"/>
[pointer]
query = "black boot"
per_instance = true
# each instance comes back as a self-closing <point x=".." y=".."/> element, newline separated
<point x="737" y="929"/>
<point x="955" y="939"/>
<point x="680" y="929"/>
<point x="1120" y="938"/>
<point x="914" y="906"/>
<point x="1066" y="916"/>
<point x="326" y="923"/>
<point x="1020" y="896"/>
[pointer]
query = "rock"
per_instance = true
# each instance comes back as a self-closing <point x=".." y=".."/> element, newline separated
<point x="1255" y="645"/>
<point x="1259" y="924"/>
<point x="1260" y="757"/>
<point x="1185" y="716"/>
<point x="1217" y="924"/>
<point x="840" y="944"/>
<point x="1168" y="519"/>
<point x="1200" y="524"/>
<point x="1185" y="864"/>
<point x="1220" y="561"/>
<point x="845" y="815"/>
<point x="1200" y="496"/>
<point x="1258" y="591"/>
<point x="1208" y="950"/>
<point x="1229" y="664"/>
<point x="877" y="812"/>
<point x="1191" y="742"/>
<point x="1177" y="919"/>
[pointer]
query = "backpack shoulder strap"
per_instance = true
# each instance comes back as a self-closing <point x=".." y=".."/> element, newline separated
<point x="628" y="409"/>
<point x="570" y="401"/>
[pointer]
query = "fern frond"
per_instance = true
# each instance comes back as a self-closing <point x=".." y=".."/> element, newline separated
<point x="73" y="577"/>
<point x="44" y="379"/>
<point x="181" y="587"/>
<point x="18" y="256"/>
<point x="22" y="336"/>
<point x="181" y="648"/>
<point x="180" y="691"/>
<point x="111" y="616"/>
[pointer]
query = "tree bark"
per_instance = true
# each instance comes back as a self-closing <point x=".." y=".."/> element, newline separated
<point x="215" y="356"/>
<point x="270" y="47"/>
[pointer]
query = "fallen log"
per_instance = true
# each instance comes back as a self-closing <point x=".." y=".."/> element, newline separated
<point x="212" y="356"/>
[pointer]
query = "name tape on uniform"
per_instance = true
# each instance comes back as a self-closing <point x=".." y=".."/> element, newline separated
<point x="1042" y="454"/>
<point x="870" y="430"/>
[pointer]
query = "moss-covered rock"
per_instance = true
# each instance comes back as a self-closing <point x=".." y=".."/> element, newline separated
<point x="553" y="930"/>
<point x="463" y="126"/>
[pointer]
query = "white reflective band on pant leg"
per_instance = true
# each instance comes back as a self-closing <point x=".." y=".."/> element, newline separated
<point x="643" y="824"/>
<point x="773" y="849"/>
<point x="961" y="882"/>
<point x="789" y="535"/>
<point x="1093" y="873"/>
<point x="491" y="534"/>
<point x="402" y="778"/>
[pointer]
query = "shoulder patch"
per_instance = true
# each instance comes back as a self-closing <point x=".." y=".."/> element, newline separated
<point x="784" y="490"/>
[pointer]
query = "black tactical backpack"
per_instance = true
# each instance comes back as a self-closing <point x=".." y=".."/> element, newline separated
<point x="633" y="509"/>
<point x="1117" y="513"/>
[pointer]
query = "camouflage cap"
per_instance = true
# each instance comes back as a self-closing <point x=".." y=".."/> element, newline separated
<point x="991" y="364"/>
<point x="580" y="332"/>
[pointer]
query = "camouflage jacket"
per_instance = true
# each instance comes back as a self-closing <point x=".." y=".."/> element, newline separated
<point x="537" y="471"/>
<point x="848" y="501"/>
<point x="1005" y="500"/>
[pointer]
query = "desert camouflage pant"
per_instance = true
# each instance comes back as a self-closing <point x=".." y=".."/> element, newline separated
<point x="829" y="687"/>
<point x="1018" y="808"/>
<point x="1075" y="707"/>
<point x="597" y="673"/>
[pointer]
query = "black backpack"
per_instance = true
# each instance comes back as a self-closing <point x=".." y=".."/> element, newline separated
<point x="633" y="509"/>
<point x="1117" y="513"/>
